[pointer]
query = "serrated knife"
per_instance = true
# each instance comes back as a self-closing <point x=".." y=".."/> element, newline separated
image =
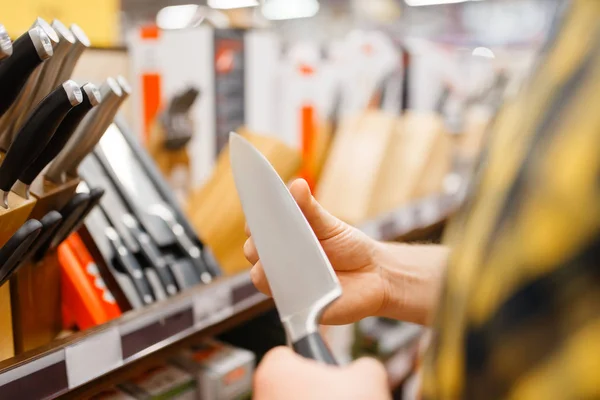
<point x="301" y="277"/>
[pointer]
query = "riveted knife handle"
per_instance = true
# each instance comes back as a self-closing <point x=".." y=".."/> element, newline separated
<point x="29" y="50"/>
<point x="37" y="131"/>
<point x="313" y="346"/>
<point x="63" y="133"/>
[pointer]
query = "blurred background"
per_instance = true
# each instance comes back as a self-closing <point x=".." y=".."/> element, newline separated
<point x="383" y="106"/>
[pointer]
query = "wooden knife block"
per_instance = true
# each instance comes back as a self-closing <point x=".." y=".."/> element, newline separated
<point x="35" y="288"/>
<point x="10" y="221"/>
<point x="215" y="209"/>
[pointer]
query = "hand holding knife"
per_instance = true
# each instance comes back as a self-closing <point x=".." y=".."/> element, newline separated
<point x="35" y="134"/>
<point x="301" y="278"/>
<point x="91" y="98"/>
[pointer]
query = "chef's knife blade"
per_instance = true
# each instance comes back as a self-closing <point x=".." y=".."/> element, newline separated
<point x="35" y="134"/>
<point x="6" y="48"/>
<point x="50" y="223"/>
<point x="15" y="248"/>
<point x="111" y="93"/>
<point x="301" y="277"/>
<point x="91" y="98"/>
<point x="29" y="50"/>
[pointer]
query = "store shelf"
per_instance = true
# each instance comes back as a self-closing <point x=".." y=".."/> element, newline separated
<point x="419" y="215"/>
<point x="69" y="363"/>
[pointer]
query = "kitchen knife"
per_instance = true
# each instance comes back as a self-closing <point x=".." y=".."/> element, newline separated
<point x="92" y="139"/>
<point x="68" y="212"/>
<point x="182" y="240"/>
<point x="152" y="254"/>
<point x="91" y="98"/>
<point x="23" y="98"/>
<point x="301" y="278"/>
<point x="50" y="223"/>
<point x="48" y="74"/>
<point x="29" y="50"/>
<point x="15" y="248"/>
<point x="111" y="93"/>
<point x="81" y="43"/>
<point x="35" y="134"/>
<point x="66" y="229"/>
<point x="130" y="265"/>
<point x="6" y="48"/>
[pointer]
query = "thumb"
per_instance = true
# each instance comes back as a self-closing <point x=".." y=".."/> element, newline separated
<point x="370" y="370"/>
<point x="322" y="222"/>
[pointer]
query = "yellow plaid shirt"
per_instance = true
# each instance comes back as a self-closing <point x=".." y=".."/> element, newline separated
<point x="519" y="317"/>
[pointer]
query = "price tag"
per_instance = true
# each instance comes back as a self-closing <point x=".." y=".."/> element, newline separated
<point x="93" y="357"/>
<point x="212" y="306"/>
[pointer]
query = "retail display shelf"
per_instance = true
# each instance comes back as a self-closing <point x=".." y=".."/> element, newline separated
<point x="401" y="364"/>
<point x="418" y="215"/>
<point x="80" y="358"/>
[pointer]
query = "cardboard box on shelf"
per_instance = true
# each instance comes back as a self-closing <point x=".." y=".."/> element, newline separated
<point x="162" y="382"/>
<point x="215" y="210"/>
<point x="222" y="372"/>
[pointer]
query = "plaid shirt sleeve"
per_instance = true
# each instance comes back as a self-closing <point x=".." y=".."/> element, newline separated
<point x="519" y="316"/>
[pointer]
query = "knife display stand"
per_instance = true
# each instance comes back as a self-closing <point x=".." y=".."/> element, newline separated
<point x="10" y="221"/>
<point x="35" y="288"/>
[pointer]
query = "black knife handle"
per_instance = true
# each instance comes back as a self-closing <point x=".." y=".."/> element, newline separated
<point x="50" y="223"/>
<point x="131" y="266"/>
<point x="37" y="131"/>
<point x="29" y="50"/>
<point x="153" y="256"/>
<point x="15" y="248"/>
<point x="312" y="346"/>
<point x="91" y="98"/>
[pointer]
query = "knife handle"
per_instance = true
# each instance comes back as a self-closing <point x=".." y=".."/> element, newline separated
<point x="37" y="131"/>
<point x="6" y="48"/>
<point x="29" y="50"/>
<point x="91" y="98"/>
<point x="131" y="266"/>
<point x="313" y="346"/>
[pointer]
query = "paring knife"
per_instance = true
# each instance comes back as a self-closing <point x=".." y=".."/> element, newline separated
<point x="81" y="43"/>
<point x="15" y="248"/>
<point x="6" y="48"/>
<point x="77" y="203"/>
<point x="111" y="93"/>
<point x="36" y="133"/>
<point x="29" y="50"/>
<point x="48" y="74"/>
<point x="93" y="137"/>
<point x="50" y="223"/>
<point x="131" y="266"/>
<point x="91" y="98"/>
<point x="22" y="100"/>
<point x="301" y="278"/>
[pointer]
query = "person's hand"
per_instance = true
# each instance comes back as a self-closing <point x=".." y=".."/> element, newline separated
<point x="282" y="374"/>
<point x="351" y="254"/>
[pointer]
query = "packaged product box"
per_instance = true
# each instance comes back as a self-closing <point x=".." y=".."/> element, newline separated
<point x="222" y="372"/>
<point x="164" y="382"/>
